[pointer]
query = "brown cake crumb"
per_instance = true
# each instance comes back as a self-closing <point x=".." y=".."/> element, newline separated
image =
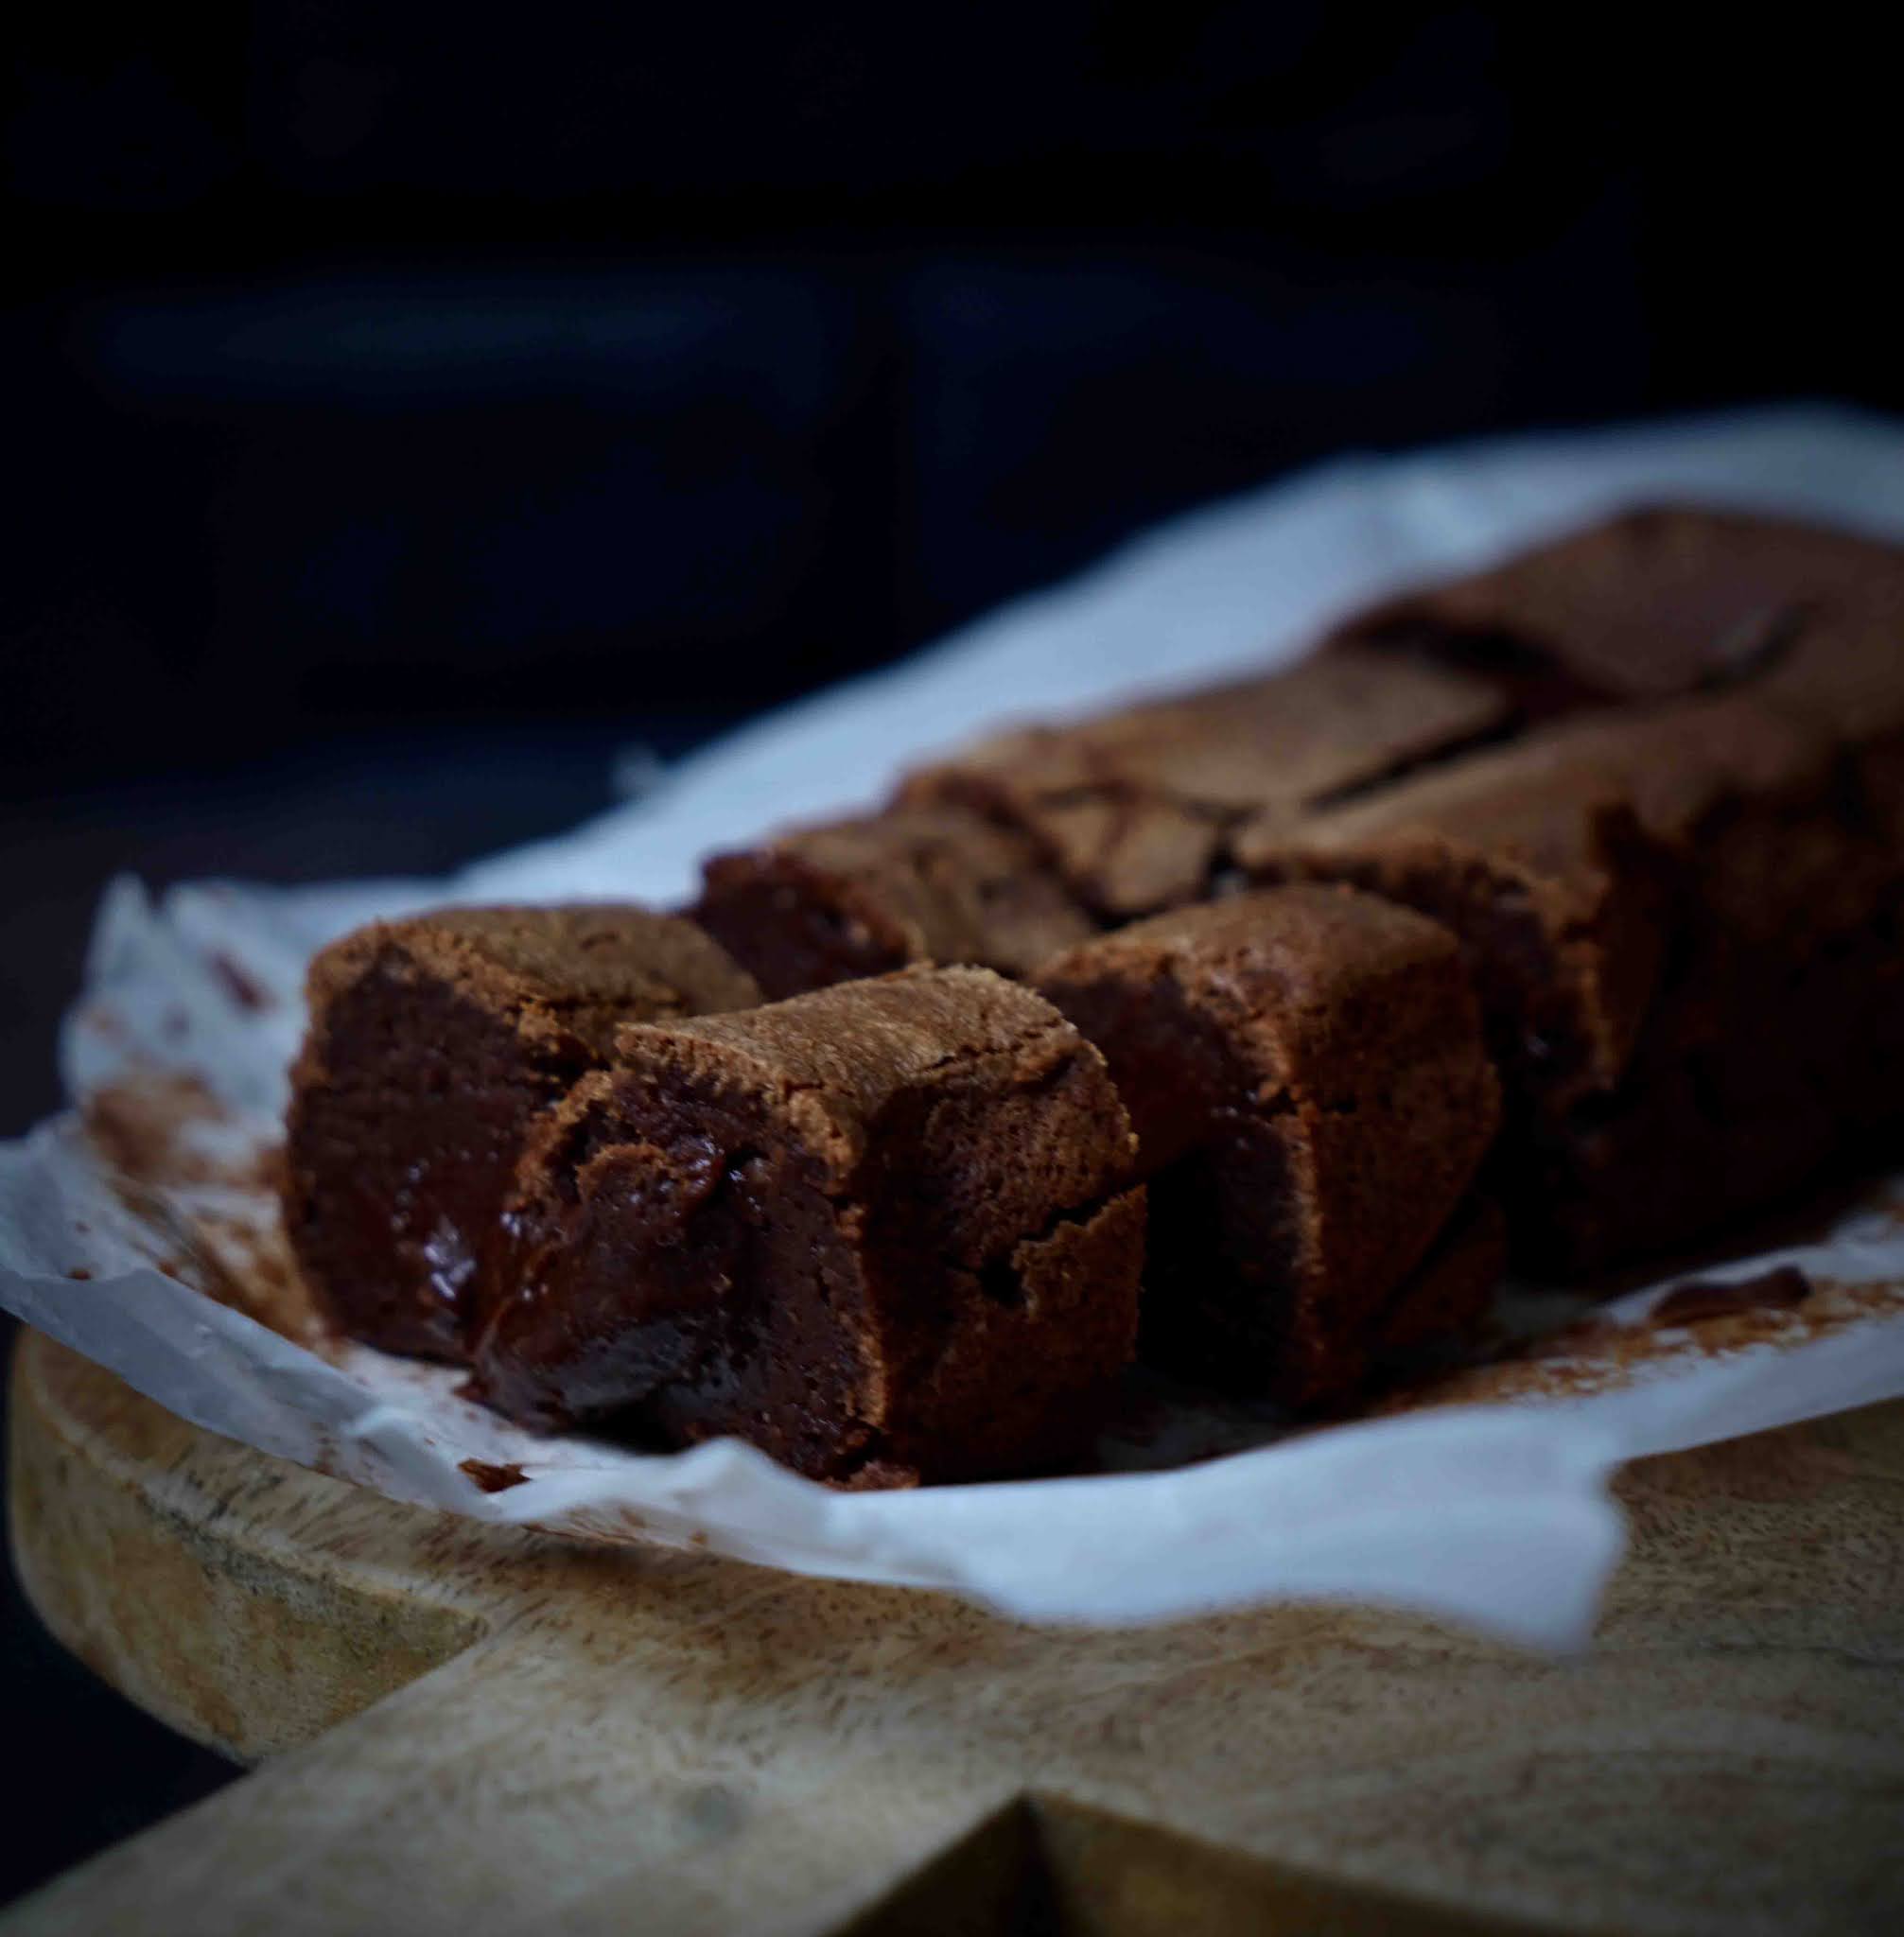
<point x="432" y="1042"/>
<point x="490" y="1477"/>
<point x="886" y="1232"/>
<point x="1312" y="1098"/>
<point x="1777" y="1290"/>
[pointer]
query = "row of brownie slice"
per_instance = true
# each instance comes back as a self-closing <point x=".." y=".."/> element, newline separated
<point x="1649" y="776"/>
<point x="895" y="1228"/>
<point x="1623" y="821"/>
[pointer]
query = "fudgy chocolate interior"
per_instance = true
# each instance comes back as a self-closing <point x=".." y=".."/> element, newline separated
<point x="414" y="1131"/>
<point x="791" y="928"/>
<point x="683" y="1265"/>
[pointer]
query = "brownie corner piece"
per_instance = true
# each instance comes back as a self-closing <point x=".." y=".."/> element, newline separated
<point x="431" y="1043"/>
<point x="884" y="1230"/>
<point x="1305" y="1071"/>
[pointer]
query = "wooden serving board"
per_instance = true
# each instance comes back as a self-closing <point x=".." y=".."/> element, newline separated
<point x="466" y="1730"/>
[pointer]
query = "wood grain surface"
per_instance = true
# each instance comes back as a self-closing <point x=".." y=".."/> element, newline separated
<point x="462" y="1729"/>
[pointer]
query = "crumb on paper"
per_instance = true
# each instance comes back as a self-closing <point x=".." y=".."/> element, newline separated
<point x="242" y="987"/>
<point x="1778" y="1290"/>
<point x="493" y="1478"/>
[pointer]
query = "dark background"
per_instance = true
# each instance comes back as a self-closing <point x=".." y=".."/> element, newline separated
<point x="407" y="406"/>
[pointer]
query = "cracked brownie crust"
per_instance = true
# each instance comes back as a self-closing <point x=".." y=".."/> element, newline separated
<point x="1134" y="808"/>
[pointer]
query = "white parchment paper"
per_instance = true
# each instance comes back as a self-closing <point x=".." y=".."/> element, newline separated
<point x="1494" y="1512"/>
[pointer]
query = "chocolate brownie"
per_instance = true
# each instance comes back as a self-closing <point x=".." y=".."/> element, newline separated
<point x="886" y="1231"/>
<point x="431" y="1043"/>
<point x="1305" y="1073"/>
<point x="1539" y="862"/>
<point x="1670" y="916"/>
<point x="1649" y="605"/>
<point x="1134" y="807"/>
<point x="935" y="885"/>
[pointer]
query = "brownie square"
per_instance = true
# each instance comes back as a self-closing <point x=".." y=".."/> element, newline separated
<point x="1669" y="914"/>
<point x="855" y="897"/>
<point x="886" y="1232"/>
<point x="1305" y="1071"/>
<point x="432" y="1042"/>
